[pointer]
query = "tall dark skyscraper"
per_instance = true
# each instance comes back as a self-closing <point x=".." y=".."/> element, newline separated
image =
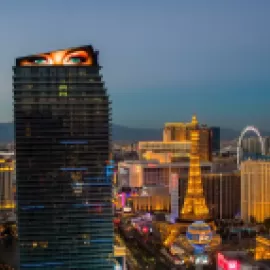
<point x="215" y="133"/>
<point x="64" y="189"/>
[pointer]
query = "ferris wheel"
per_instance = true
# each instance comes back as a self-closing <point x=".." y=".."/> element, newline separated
<point x="239" y="148"/>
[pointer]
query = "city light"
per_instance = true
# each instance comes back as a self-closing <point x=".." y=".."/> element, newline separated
<point x="162" y="174"/>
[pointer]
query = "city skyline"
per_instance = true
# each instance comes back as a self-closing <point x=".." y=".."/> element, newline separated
<point x="168" y="61"/>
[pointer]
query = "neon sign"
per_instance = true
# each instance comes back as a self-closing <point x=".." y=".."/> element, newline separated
<point x="226" y="264"/>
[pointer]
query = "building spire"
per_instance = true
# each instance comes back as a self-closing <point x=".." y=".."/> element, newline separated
<point x="194" y="207"/>
<point x="194" y="120"/>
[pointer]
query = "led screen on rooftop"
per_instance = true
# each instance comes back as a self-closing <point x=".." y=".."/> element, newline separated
<point x="78" y="56"/>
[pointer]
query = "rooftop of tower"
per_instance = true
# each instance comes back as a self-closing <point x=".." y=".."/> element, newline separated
<point x="193" y="122"/>
<point x="85" y="55"/>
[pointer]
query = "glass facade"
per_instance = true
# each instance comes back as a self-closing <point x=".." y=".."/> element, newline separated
<point x="215" y="131"/>
<point x="64" y="188"/>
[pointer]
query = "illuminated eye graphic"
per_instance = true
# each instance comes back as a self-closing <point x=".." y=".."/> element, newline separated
<point x="76" y="58"/>
<point x="39" y="60"/>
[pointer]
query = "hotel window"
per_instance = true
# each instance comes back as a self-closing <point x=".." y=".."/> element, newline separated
<point x="82" y="72"/>
<point x="61" y="72"/>
<point x="27" y="130"/>
<point x="27" y="86"/>
<point x="53" y="72"/>
<point x="26" y="107"/>
<point x="63" y="90"/>
<point x="25" y="72"/>
<point x="72" y="71"/>
<point x="43" y="72"/>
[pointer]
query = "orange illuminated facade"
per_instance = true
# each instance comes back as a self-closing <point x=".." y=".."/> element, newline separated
<point x="222" y="192"/>
<point x="6" y="184"/>
<point x="146" y="199"/>
<point x="262" y="251"/>
<point x="151" y="203"/>
<point x="176" y="144"/>
<point x="179" y="131"/>
<point x="120" y="252"/>
<point x="164" y="152"/>
<point x="255" y="190"/>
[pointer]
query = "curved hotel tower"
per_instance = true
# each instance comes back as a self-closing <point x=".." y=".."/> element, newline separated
<point x="62" y="131"/>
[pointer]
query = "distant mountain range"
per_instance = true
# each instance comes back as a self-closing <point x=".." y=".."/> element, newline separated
<point x="122" y="133"/>
<point x="143" y="134"/>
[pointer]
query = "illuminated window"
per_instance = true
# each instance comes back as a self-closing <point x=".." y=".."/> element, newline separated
<point x="62" y="94"/>
<point x="27" y="131"/>
<point x="97" y="99"/>
<point x="27" y="86"/>
<point x="63" y="87"/>
<point x="44" y="244"/>
<point x="62" y="90"/>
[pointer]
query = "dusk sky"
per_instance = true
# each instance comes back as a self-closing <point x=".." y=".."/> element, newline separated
<point x="162" y="60"/>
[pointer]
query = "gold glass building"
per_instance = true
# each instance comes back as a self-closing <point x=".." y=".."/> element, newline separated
<point x="176" y="144"/>
<point x="255" y="190"/>
<point x="164" y="151"/>
<point x="7" y="201"/>
<point x="262" y="251"/>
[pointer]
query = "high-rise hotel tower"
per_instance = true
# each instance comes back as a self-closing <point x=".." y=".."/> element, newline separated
<point x="62" y="130"/>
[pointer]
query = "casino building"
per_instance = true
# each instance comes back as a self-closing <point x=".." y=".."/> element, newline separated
<point x="64" y="190"/>
<point x="176" y="143"/>
<point x="6" y="181"/>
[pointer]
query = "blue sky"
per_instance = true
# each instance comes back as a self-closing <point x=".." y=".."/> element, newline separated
<point x="163" y="60"/>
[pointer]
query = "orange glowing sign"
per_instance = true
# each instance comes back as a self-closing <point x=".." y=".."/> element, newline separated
<point x="79" y="56"/>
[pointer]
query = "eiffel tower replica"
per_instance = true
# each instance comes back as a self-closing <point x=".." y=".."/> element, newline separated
<point x="194" y="207"/>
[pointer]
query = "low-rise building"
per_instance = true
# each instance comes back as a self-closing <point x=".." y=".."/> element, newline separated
<point x="139" y="173"/>
<point x="222" y="190"/>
